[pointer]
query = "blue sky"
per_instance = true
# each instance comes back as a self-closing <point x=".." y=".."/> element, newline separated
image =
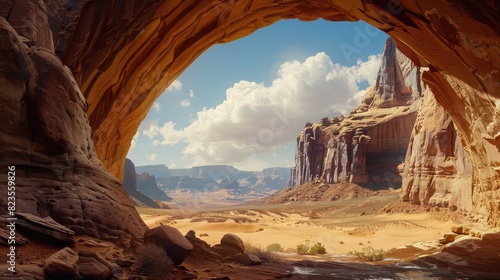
<point x="243" y="103"/>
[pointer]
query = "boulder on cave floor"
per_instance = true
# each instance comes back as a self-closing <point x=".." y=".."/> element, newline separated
<point x="63" y="265"/>
<point x="231" y="239"/>
<point x="171" y="240"/>
<point x="230" y="247"/>
<point x="202" y="252"/>
<point x="92" y="265"/>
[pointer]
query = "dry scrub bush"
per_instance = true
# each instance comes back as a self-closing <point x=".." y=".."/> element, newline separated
<point x="369" y="254"/>
<point x="154" y="262"/>
<point x="275" y="247"/>
<point x="263" y="254"/>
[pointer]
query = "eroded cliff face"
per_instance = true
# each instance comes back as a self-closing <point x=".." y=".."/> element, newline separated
<point x="45" y="135"/>
<point x="437" y="171"/>
<point x="368" y="145"/>
<point x="152" y="42"/>
<point x="130" y="184"/>
<point x="123" y="54"/>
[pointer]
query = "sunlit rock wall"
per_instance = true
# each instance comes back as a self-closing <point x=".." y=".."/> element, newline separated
<point x="368" y="146"/>
<point x="123" y="54"/>
<point x="438" y="171"/>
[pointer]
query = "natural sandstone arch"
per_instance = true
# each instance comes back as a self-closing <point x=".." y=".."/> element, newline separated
<point x="123" y="54"/>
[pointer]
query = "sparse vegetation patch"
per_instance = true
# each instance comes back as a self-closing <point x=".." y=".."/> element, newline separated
<point x="307" y="249"/>
<point x="369" y="254"/>
<point x="154" y="262"/>
<point x="275" y="247"/>
<point x="266" y="255"/>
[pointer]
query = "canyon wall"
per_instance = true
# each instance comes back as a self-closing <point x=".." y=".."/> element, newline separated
<point x="130" y="184"/>
<point x="368" y="145"/>
<point x="437" y="171"/>
<point x="377" y="147"/>
<point x="46" y="137"/>
<point x="123" y="54"/>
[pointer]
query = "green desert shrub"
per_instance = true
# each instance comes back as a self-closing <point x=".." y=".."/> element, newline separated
<point x="369" y="254"/>
<point x="275" y="247"/>
<point x="154" y="262"/>
<point x="302" y="249"/>
<point x="307" y="249"/>
<point x="317" y="249"/>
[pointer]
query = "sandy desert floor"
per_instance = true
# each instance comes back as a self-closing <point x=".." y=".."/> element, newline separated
<point x="341" y="226"/>
<point x="406" y="233"/>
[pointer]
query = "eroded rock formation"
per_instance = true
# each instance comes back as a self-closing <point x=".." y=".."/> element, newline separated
<point x="368" y="145"/>
<point x="123" y="54"/>
<point x="438" y="171"/>
<point x="46" y="137"/>
<point x="130" y="185"/>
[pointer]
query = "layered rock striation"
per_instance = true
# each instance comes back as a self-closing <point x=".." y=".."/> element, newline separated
<point x="438" y="170"/>
<point x="398" y="136"/>
<point x="45" y="141"/>
<point x="368" y="145"/>
<point x="123" y="54"/>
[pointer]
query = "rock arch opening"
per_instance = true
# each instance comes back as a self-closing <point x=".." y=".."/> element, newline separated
<point x="122" y="54"/>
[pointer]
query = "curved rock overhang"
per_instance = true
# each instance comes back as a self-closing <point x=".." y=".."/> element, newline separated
<point x="123" y="54"/>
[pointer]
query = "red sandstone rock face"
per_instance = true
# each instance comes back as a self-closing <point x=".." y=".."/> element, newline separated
<point x="45" y="134"/>
<point x="438" y="170"/>
<point x="369" y="144"/>
<point x="123" y="54"/>
<point x="152" y="42"/>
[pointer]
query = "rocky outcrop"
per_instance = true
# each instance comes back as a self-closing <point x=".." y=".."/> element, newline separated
<point x="124" y="53"/>
<point x="368" y="145"/>
<point x="171" y="240"/>
<point x="437" y="170"/>
<point x="44" y="228"/>
<point x="92" y="265"/>
<point x="46" y="141"/>
<point x="231" y="239"/>
<point x="62" y="264"/>
<point x="130" y="184"/>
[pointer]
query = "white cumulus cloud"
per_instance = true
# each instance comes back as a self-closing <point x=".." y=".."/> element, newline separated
<point x="162" y="135"/>
<point x="156" y="107"/>
<point x="255" y="117"/>
<point x="152" y="157"/>
<point x="176" y="85"/>
<point x="191" y="93"/>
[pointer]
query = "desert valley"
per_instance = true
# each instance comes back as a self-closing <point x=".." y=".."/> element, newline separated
<point x="404" y="186"/>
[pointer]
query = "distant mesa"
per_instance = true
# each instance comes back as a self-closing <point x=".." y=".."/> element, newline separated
<point x="240" y="184"/>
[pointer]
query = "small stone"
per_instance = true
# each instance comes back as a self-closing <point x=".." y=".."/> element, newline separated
<point x="457" y="229"/>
